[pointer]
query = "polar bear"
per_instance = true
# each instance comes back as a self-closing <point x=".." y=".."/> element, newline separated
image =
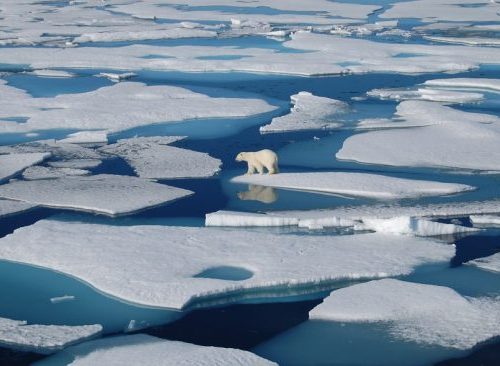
<point x="258" y="160"/>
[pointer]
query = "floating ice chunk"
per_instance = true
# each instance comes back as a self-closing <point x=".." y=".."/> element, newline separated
<point x="165" y="270"/>
<point x="469" y="41"/>
<point x="491" y="263"/>
<point x="427" y="314"/>
<point x="43" y="339"/>
<point x="130" y="35"/>
<point x="485" y="219"/>
<point x="105" y="194"/>
<point x="59" y="150"/>
<point x="473" y="83"/>
<point x="309" y="112"/>
<point x="232" y="218"/>
<point x="8" y="207"/>
<point x="142" y="349"/>
<point x="12" y="164"/>
<point x="87" y="137"/>
<point x="117" y="77"/>
<point x="435" y="95"/>
<point x="354" y="184"/>
<point x="75" y="163"/>
<point x="151" y="157"/>
<point x="118" y="107"/>
<point x="59" y="299"/>
<point x="448" y="138"/>
<point x="405" y="225"/>
<point x="43" y="172"/>
<point x="47" y="73"/>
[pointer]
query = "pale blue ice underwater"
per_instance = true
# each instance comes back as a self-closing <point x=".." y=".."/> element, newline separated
<point x="26" y="291"/>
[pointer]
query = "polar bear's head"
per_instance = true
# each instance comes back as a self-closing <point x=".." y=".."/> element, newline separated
<point x="240" y="156"/>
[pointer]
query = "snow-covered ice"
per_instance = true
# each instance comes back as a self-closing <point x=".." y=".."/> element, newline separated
<point x="445" y="138"/>
<point x="309" y="112"/>
<point x="491" y="263"/>
<point x="166" y="270"/>
<point x="472" y="83"/>
<point x="234" y="219"/>
<point x="485" y="219"/>
<point x="151" y="157"/>
<point x="86" y="137"/>
<point x="428" y="314"/>
<point x="119" y="107"/>
<point x="43" y="339"/>
<point x="43" y="172"/>
<point x="8" y="207"/>
<point x="105" y="194"/>
<point x="146" y="350"/>
<point x="75" y="163"/>
<point x="12" y="164"/>
<point x="470" y="41"/>
<point x="354" y="184"/>
<point x="435" y="95"/>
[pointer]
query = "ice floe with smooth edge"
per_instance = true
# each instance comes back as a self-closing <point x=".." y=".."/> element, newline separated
<point x="12" y="164"/>
<point x="485" y="219"/>
<point x="491" y="263"/>
<point x="146" y="350"/>
<point x="470" y="41"/>
<point x="43" y="339"/>
<point x="435" y="95"/>
<point x="58" y="150"/>
<point x="114" y="77"/>
<point x="118" y="107"/>
<point x="446" y="138"/>
<point x="151" y="157"/>
<point x="75" y="163"/>
<point x="403" y="225"/>
<point x="184" y="267"/>
<point x="8" y="207"/>
<point x="428" y="314"/>
<point x="324" y="55"/>
<point x="86" y="137"/>
<point x="47" y="73"/>
<point x="430" y="11"/>
<point x="309" y="112"/>
<point x="354" y="184"/>
<point x="105" y="194"/>
<point x="43" y="172"/>
<point x="469" y="83"/>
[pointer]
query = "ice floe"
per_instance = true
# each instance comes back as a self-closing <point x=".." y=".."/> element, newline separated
<point x="428" y="314"/>
<point x="435" y="95"/>
<point x="118" y="107"/>
<point x="8" y="207"/>
<point x="75" y="163"/>
<point x="171" y="268"/>
<point x="235" y="219"/>
<point x="151" y="157"/>
<point x="472" y="83"/>
<point x="43" y="172"/>
<point x="117" y="77"/>
<point x="354" y="184"/>
<point x="485" y="219"/>
<point x="43" y="339"/>
<point x="142" y="349"/>
<point x="491" y="263"/>
<point x="446" y="138"/>
<point x="86" y="137"/>
<point x="12" y="164"/>
<point x="104" y="193"/>
<point x="309" y="112"/>
<point x="470" y="41"/>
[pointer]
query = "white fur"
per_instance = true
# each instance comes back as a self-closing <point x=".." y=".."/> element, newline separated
<point x="258" y="160"/>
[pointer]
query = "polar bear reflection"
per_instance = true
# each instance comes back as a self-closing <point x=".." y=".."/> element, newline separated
<point x="258" y="160"/>
<point x="259" y="193"/>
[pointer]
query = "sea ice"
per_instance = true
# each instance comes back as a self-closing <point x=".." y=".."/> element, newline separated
<point x="12" y="164"/>
<point x="309" y="112"/>
<point x="472" y="83"/>
<point x="435" y="95"/>
<point x="354" y="184"/>
<point x="485" y="219"/>
<point x="168" y="269"/>
<point x="105" y="194"/>
<point x="43" y="339"/>
<point x="491" y="263"/>
<point x="43" y="172"/>
<point x="446" y="138"/>
<point x="428" y="314"/>
<point x="146" y="350"/>
<point x="469" y="41"/>
<point x="8" y="207"/>
<point x="86" y="137"/>
<point x="118" y="107"/>
<point x="234" y="219"/>
<point x="151" y="157"/>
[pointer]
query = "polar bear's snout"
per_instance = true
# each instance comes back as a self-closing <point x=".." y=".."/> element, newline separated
<point x="259" y="161"/>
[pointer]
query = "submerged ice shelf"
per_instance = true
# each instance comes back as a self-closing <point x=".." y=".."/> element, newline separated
<point x="166" y="270"/>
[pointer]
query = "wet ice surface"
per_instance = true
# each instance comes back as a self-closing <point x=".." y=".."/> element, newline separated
<point x="113" y="82"/>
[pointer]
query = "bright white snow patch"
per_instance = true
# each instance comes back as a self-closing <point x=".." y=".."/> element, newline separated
<point x="151" y="157"/>
<point x="145" y="350"/>
<point x="354" y="184"/>
<point x="105" y="194"/>
<point x="12" y="164"/>
<point x="87" y="137"/>
<point x="119" y="107"/>
<point x="446" y="138"/>
<point x="166" y="270"/>
<point x="485" y="219"/>
<point x="309" y="112"/>
<point x="426" y="314"/>
<point x="234" y="219"/>
<point x="43" y="339"/>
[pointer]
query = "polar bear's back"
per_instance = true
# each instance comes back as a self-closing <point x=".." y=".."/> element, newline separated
<point x="266" y="156"/>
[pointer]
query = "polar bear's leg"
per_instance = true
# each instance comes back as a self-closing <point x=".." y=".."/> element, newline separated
<point x="260" y="168"/>
<point x="273" y="169"/>
<point x="251" y="168"/>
